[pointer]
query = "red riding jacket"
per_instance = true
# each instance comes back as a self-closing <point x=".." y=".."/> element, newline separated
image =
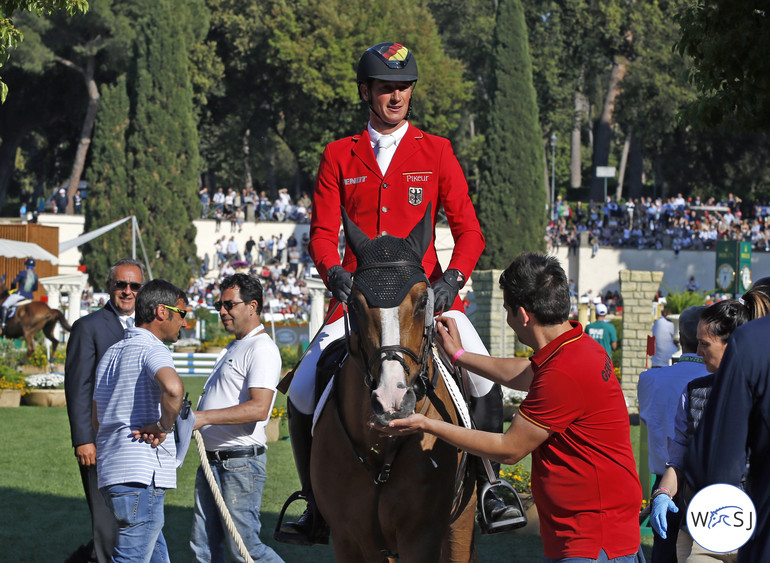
<point x="424" y="170"/>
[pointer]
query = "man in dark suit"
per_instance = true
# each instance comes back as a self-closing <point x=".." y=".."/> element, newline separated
<point x="89" y="339"/>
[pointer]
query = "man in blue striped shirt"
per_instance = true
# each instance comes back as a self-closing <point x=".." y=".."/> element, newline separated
<point x="137" y="397"/>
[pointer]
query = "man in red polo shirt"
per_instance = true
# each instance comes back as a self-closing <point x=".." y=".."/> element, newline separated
<point x="574" y="420"/>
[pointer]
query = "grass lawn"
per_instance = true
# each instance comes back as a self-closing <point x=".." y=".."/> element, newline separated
<point x="44" y="516"/>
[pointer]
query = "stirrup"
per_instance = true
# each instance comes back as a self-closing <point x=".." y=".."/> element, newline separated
<point x="487" y="525"/>
<point x="319" y="534"/>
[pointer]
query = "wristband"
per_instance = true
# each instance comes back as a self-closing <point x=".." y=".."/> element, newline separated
<point x="457" y="355"/>
<point x="660" y="491"/>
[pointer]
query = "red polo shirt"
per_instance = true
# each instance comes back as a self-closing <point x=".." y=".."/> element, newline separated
<point x="584" y="478"/>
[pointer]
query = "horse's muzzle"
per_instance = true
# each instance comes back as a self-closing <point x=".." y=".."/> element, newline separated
<point x="403" y="408"/>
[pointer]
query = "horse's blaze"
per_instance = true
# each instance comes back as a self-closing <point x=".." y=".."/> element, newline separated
<point x="392" y="398"/>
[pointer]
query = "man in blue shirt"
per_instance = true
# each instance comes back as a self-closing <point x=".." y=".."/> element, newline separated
<point x="137" y="397"/>
<point x="659" y="390"/>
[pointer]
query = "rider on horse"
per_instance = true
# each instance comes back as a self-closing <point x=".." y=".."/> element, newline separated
<point x="385" y="178"/>
<point x="26" y="280"/>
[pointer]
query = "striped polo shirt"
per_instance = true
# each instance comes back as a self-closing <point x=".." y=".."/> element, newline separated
<point x="128" y="397"/>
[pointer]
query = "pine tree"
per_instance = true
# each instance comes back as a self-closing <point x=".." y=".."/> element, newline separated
<point x="512" y="195"/>
<point x="107" y="177"/>
<point x="146" y="160"/>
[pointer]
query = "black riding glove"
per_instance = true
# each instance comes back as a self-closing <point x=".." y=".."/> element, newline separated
<point x="340" y="283"/>
<point x="445" y="290"/>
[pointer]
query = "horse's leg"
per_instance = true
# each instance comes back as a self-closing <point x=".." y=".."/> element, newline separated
<point x="48" y="331"/>
<point x="29" y="337"/>
<point x="459" y="546"/>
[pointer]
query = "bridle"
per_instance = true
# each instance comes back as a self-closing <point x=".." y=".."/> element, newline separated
<point x="396" y="352"/>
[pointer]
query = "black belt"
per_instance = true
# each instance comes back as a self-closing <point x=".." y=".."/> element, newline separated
<point x="221" y="455"/>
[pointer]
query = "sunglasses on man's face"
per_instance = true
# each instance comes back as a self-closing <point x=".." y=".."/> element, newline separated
<point x="228" y="305"/>
<point x="182" y="312"/>
<point x="122" y="285"/>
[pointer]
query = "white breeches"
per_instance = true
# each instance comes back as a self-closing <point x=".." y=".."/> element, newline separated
<point x="302" y="388"/>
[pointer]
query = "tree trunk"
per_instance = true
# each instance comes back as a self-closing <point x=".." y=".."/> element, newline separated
<point x="576" y="160"/>
<point x="635" y="168"/>
<point x="88" y="126"/>
<point x="248" y="180"/>
<point x="623" y="162"/>
<point x="604" y="127"/>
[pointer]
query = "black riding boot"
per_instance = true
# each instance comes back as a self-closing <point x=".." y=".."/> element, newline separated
<point x="3" y="318"/>
<point x="310" y="527"/>
<point x="487" y="413"/>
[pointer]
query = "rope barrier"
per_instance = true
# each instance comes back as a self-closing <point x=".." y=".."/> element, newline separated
<point x="229" y="524"/>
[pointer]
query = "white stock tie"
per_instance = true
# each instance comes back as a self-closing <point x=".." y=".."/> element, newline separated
<point x="385" y="151"/>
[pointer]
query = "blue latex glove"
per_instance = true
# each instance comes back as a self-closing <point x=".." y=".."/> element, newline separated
<point x="661" y="506"/>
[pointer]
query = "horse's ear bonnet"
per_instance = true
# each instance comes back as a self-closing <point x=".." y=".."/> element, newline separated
<point x="388" y="266"/>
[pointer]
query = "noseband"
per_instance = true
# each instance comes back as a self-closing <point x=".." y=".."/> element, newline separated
<point x="396" y="352"/>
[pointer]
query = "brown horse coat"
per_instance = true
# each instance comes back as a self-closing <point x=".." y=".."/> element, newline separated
<point x="30" y="319"/>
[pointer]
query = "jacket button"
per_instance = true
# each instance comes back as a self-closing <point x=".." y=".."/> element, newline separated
<point x="384" y="209"/>
<point x="384" y="185"/>
<point x="384" y="232"/>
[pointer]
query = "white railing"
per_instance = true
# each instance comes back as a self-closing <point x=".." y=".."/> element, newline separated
<point x="194" y="364"/>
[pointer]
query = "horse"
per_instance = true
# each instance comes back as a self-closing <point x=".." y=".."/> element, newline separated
<point x="31" y="318"/>
<point x="410" y="497"/>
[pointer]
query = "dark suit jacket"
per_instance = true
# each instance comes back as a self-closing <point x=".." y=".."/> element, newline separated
<point x="89" y="339"/>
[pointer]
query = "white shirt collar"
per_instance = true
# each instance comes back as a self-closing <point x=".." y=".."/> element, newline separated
<point x="398" y="134"/>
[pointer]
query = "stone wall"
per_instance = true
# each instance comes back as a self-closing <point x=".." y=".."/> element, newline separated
<point x="637" y="289"/>
<point x="487" y="313"/>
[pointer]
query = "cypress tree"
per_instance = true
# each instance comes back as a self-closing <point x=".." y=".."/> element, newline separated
<point x="145" y="151"/>
<point x="511" y="199"/>
<point x="163" y="158"/>
<point x="107" y="178"/>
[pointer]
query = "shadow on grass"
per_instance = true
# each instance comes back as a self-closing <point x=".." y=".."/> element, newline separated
<point x="42" y="527"/>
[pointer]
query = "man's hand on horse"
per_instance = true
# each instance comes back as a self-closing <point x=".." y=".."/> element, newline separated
<point x="412" y="424"/>
<point x="447" y="335"/>
<point x="340" y="283"/>
<point x="445" y="289"/>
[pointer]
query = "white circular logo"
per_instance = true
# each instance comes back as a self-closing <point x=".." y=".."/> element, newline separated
<point x="721" y="518"/>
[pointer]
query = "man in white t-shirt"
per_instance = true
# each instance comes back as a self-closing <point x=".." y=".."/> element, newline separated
<point x="232" y="415"/>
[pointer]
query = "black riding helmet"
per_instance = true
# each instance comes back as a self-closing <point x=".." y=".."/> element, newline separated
<point x="387" y="61"/>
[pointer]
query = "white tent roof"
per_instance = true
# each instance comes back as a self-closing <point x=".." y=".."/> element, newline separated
<point x="17" y="249"/>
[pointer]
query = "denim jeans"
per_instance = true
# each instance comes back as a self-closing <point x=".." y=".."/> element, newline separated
<point x="241" y="481"/>
<point x="637" y="557"/>
<point x="138" y="509"/>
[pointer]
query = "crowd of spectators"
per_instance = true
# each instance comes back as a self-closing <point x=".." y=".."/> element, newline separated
<point x="237" y="207"/>
<point x="280" y="263"/>
<point x="674" y="223"/>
